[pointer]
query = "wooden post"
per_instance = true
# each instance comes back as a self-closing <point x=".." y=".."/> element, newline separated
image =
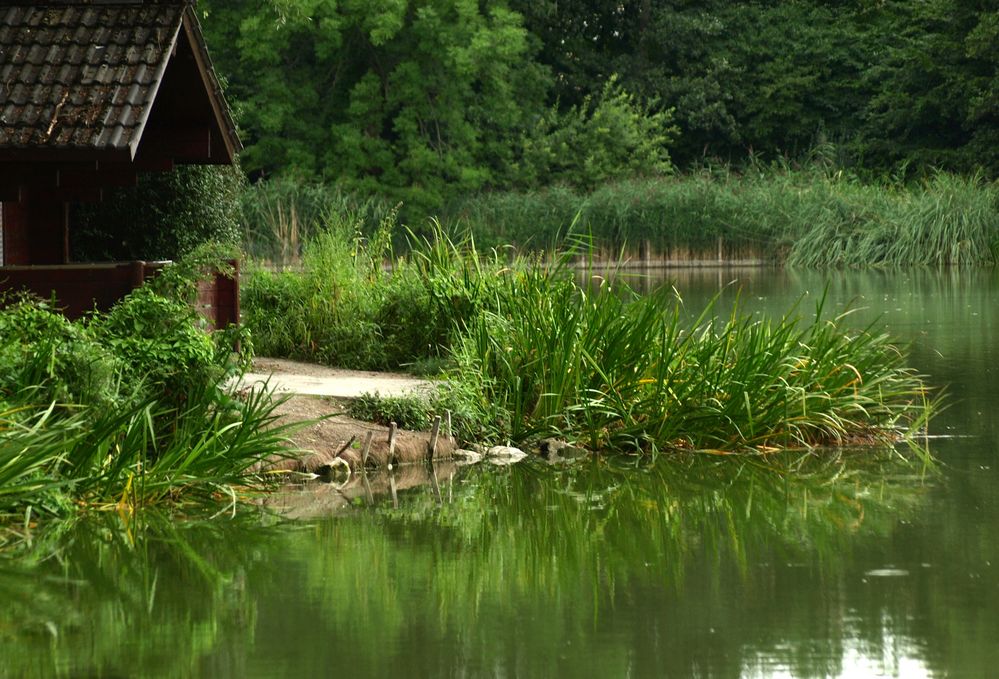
<point x="137" y="274"/>
<point x="434" y="433"/>
<point x="391" y="450"/>
<point x="366" y="449"/>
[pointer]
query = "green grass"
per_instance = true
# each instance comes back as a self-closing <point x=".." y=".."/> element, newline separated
<point x="55" y="459"/>
<point x="280" y="217"/>
<point x="345" y="308"/>
<point x="947" y="220"/>
<point x="535" y="353"/>
<point x="621" y="372"/>
<point x="807" y="217"/>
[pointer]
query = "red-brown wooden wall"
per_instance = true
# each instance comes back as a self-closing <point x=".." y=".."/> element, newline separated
<point x="80" y="288"/>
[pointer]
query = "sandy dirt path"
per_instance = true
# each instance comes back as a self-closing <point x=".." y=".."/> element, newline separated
<point x="295" y="377"/>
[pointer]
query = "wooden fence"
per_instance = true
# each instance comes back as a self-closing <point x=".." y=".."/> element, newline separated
<point x="80" y="288"/>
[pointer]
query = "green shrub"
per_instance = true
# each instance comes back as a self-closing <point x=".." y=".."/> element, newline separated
<point x="58" y="360"/>
<point x="165" y="217"/>
<point x="162" y="342"/>
<point x="610" y="138"/>
<point x="343" y="309"/>
<point x="130" y="406"/>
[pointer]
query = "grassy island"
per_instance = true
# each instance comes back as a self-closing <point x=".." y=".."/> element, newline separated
<point x="528" y="350"/>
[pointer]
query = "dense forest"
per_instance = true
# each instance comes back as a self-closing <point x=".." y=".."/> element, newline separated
<point x="424" y="100"/>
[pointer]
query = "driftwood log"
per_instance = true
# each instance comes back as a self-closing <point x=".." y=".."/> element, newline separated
<point x="371" y="446"/>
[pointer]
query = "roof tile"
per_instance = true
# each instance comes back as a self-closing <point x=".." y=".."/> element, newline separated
<point x="81" y="76"/>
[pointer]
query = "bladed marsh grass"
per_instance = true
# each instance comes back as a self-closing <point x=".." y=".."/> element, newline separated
<point x="806" y="217"/>
<point x="619" y="371"/>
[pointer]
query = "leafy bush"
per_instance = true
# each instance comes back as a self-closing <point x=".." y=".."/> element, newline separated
<point x="343" y="309"/>
<point x="409" y="412"/>
<point x="165" y="217"/>
<point x="612" y="137"/>
<point x="58" y="360"/>
<point x="130" y="406"/>
<point x="151" y="342"/>
<point x="162" y="342"/>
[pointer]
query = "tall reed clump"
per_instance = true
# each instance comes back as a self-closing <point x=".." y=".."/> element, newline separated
<point x="947" y="220"/>
<point x="125" y="408"/>
<point x="621" y="372"/>
<point x="280" y="216"/>
<point x="343" y="307"/>
<point x="810" y="217"/>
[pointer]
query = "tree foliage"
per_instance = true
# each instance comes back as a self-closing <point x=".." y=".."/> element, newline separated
<point x="890" y="82"/>
<point x="611" y="136"/>
<point x="408" y="98"/>
<point x="419" y="100"/>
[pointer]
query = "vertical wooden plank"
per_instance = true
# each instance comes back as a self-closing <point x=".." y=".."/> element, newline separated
<point x="15" y="234"/>
<point x="234" y="286"/>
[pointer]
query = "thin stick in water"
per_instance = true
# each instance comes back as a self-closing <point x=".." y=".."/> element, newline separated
<point x="347" y="445"/>
<point x="391" y="451"/>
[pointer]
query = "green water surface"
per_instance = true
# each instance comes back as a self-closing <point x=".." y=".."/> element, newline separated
<point x="852" y="564"/>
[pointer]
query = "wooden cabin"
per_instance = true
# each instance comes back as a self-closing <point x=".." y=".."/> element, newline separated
<point x="93" y="93"/>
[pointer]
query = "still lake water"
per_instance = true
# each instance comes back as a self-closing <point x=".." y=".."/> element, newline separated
<point x="861" y="564"/>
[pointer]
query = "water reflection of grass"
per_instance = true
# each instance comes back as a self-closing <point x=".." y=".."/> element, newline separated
<point x="577" y="570"/>
<point x="152" y="597"/>
<point x="555" y="554"/>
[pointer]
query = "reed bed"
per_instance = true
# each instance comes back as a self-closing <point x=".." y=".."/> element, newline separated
<point x="947" y="220"/>
<point x="806" y="218"/>
<point x="280" y="217"/>
<point x="620" y="372"/>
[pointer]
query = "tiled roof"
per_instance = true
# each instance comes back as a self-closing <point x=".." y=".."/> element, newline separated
<point x="82" y="75"/>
